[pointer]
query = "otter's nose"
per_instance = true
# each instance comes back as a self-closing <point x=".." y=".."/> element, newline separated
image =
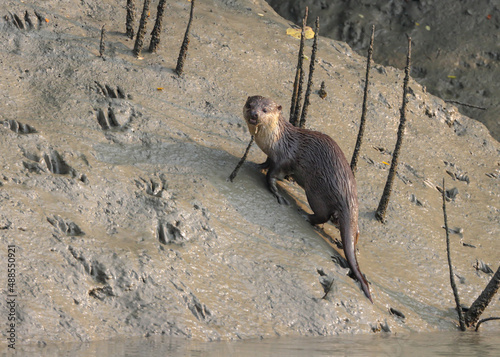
<point x="253" y="117"/>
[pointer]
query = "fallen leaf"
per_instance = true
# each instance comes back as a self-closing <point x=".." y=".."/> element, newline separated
<point x="46" y="20"/>
<point x="488" y="17"/>
<point x="295" y="32"/>
<point x="428" y="28"/>
<point x="385" y="163"/>
<point x="159" y="88"/>
<point x="452" y="77"/>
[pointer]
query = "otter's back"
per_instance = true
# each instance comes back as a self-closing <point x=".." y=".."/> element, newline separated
<point x="323" y="167"/>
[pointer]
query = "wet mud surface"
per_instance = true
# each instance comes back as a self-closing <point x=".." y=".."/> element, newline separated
<point x="455" y="45"/>
<point x="114" y="190"/>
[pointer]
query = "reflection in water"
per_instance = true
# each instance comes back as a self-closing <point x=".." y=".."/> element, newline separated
<point x="422" y="344"/>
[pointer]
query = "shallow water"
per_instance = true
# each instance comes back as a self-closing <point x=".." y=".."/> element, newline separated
<point x="422" y="344"/>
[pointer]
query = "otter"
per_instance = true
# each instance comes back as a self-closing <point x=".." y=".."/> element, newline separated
<point x="317" y="164"/>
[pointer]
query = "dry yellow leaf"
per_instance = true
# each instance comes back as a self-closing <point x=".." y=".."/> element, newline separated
<point x="295" y="32"/>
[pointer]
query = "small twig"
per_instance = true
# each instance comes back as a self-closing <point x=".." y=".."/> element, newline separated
<point x="183" y="52"/>
<point x="299" y="76"/>
<point x="102" y="44"/>
<point x="452" y="276"/>
<point x="362" y="124"/>
<point x="464" y="104"/>
<point x="130" y="18"/>
<point x="484" y="320"/>
<point x="483" y="300"/>
<point x="384" y="201"/>
<point x="139" y="40"/>
<point x="299" y="91"/>
<point x="294" y="95"/>
<point x="155" y="35"/>
<point x="303" y="117"/>
<point x="242" y="160"/>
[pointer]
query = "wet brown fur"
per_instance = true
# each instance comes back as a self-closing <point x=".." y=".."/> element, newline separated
<point x="316" y="163"/>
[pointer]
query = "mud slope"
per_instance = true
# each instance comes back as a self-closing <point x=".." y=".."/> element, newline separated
<point x="113" y="184"/>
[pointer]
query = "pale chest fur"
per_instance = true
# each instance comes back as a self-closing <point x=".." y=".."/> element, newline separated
<point x="265" y="136"/>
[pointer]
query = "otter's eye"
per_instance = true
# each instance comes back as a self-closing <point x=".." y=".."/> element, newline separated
<point x="264" y="110"/>
<point x="247" y="105"/>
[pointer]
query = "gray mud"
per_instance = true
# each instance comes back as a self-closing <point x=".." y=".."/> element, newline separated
<point x="113" y="184"/>
<point x="456" y="45"/>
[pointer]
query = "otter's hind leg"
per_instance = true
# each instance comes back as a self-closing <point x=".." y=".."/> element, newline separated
<point x="321" y="212"/>
<point x="315" y="219"/>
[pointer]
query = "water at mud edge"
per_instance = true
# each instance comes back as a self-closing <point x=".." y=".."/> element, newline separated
<point x="483" y="343"/>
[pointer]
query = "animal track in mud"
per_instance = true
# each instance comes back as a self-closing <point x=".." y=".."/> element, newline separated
<point x="450" y="194"/>
<point x="56" y="164"/>
<point x="25" y="22"/>
<point x="18" y="127"/>
<point x="117" y="103"/>
<point x="200" y="311"/>
<point x="342" y="262"/>
<point x="169" y="233"/>
<point x="107" y="123"/>
<point x="94" y="269"/>
<point x="101" y="293"/>
<point x="109" y="92"/>
<point x="456" y="173"/>
<point x="67" y="227"/>
<point x="482" y="266"/>
<point x="152" y="187"/>
<point x="415" y="200"/>
<point x="493" y="175"/>
<point x="53" y="162"/>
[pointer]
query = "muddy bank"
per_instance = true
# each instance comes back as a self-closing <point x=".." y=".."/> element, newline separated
<point x="124" y="223"/>
<point x="455" y="45"/>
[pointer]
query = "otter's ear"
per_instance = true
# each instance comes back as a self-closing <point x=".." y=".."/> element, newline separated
<point x="279" y="108"/>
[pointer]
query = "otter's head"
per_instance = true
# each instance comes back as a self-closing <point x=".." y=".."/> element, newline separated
<point x="260" y="112"/>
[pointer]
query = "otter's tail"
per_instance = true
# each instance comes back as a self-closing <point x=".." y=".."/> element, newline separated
<point x="349" y="239"/>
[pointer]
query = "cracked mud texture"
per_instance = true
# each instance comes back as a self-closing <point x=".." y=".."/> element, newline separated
<point x="136" y="231"/>
<point x="456" y="45"/>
